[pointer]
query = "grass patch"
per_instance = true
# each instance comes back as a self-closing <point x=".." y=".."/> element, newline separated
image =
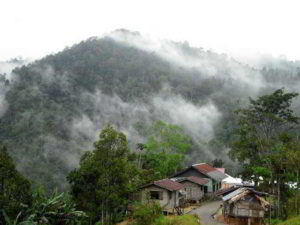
<point x="177" y="220"/>
<point x="292" y="221"/>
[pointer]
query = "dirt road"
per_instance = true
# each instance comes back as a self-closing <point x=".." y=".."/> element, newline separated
<point x="205" y="211"/>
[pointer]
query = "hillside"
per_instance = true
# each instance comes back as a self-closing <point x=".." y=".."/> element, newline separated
<point x="53" y="109"/>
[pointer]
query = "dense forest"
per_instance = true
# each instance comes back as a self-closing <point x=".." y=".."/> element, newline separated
<point x="109" y="114"/>
<point x="53" y="109"/>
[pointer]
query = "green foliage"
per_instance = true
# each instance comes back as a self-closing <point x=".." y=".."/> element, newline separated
<point x="15" y="190"/>
<point x="47" y="96"/>
<point x="146" y="214"/>
<point x="292" y="221"/>
<point x="105" y="178"/>
<point x="165" y="149"/>
<point x="265" y="140"/>
<point x="58" y="209"/>
<point x="218" y="163"/>
<point x="178" y="220"/>
<point x="293" y="205"/>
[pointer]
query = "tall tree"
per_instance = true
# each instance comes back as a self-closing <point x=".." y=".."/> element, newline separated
<point x="15" y="190"/>
<point x="165" y="149"/>
<point x="264" y="135"/>
<point x="105" y="177"/>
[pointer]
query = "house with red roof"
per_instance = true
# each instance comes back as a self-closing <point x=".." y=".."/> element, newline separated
<point x="193" y="186"/>
<point x="168" y="193"/>
<point x="204" y="170"/>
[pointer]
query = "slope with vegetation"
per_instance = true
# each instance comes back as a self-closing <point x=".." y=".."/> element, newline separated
<point x="53" y="109"/>
<point x="56" y="105"/>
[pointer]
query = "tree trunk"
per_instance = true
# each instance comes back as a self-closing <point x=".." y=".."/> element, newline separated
<point x="102" y="213"/>
<point x="278" y="196"/>
<point x="297" y="193"/>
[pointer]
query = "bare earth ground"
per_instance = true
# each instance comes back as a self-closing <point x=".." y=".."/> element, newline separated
<point x="205" y="211"/>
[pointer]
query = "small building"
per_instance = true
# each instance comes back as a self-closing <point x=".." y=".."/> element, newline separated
<point x="194" y="187"/>
<point x="245" y="206"/>
<point x="225" y="191"/>
<point x="168" y="193"/>
<point x="204" y="170"/>
<point x="230" y="181"/>
<point x="221" y="170"/>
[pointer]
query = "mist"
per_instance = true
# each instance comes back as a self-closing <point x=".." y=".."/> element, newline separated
<point x="129" y="81"/>
<point x="208" y="63"/>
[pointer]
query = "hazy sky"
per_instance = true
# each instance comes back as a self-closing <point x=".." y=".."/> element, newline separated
<point x="34" y="28"/>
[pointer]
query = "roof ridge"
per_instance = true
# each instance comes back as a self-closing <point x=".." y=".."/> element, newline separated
<point x="198" y="164"/>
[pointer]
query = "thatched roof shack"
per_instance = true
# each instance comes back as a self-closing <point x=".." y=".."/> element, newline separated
<point x="245" y="203"/>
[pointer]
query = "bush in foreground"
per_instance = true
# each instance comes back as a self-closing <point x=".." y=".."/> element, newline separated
<point x="292" y="221"/>
<point x="178" y="220"/>
<point x="147" y="214"/>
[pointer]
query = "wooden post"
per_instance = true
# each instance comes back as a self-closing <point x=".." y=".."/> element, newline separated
<point x="249" y="221"/>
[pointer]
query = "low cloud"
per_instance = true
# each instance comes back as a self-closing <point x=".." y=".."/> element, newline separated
<point x="6" y="74"/>
<point x="197" y="120"/>
<point x="208" y="63"/>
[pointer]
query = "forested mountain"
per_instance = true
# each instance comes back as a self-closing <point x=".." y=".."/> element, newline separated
<point x="53" y="109"/>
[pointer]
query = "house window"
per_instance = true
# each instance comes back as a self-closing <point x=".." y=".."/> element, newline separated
<point x="156" y="195"/>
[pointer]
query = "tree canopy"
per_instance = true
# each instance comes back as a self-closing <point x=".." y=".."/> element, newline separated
<point x="166" y="147"/>
<point x="265" y="139"/>
<point x="105" y="177"/>
<point x="15" y="189"/>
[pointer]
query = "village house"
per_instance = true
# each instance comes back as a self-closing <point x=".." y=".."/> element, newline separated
<point x="244" y="206"/>
<point x="230" y="181"/>
<point x="225" y="191"/>
<point x="168" y="193"/>
<point x="194" y="187"/>
<point x="204" y="170"/>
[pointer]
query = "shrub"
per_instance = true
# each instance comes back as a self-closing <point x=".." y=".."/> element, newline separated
<point x="292" y="221"/>
<point x="178" y="220"/>
<point x="146" y="214"/>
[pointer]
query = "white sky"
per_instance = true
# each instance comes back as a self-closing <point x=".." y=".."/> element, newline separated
<point x="34" y="28"/>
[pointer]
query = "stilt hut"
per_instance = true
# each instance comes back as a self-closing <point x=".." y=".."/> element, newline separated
<point x="245" y="206"/>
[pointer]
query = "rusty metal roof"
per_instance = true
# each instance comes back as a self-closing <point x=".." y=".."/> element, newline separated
<point x="204" y="168"/>
<point x="193" y="179"/>
<point x="210" y="171"/>
<point x="198" y="180"/>
<point x="168" y="184"/>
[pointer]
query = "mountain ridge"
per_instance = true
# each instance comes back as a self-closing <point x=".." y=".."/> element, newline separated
<point x="57" y="105"/>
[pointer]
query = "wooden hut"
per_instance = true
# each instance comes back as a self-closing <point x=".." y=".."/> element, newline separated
<point x="168" y="193"/>
<point x="193" y="186"/>
<point x="245" y="206"/>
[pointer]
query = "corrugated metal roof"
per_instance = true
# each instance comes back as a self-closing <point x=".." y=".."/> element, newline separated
<point x="168" y="184"/>
<point x="221" y="170"/>
<point x="198" y="180"/>
<point x="210" y="171"/>
<point x="217" y="175"/>
<point x="193" y="179"/>
<point x="204" y="167"/>
<point x="225" y="191"/>
<point x="234" y="193"/>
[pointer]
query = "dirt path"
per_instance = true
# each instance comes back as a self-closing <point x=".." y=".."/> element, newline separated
<point x="205" y="211"/>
